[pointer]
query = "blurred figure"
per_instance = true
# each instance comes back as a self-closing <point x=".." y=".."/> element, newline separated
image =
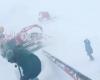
<point x="1" y="34"/>
<point x="88" y="48"/>
<point x="29" y="65"/>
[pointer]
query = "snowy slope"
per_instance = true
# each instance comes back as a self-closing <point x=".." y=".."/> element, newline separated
<point x="75" y="21"/>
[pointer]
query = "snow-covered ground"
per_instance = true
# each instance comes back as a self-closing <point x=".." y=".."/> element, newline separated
<point x="75" y="20"/>
<point x="7" y="70"/>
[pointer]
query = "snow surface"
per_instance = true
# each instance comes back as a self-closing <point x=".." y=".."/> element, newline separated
<point x="7" y="70"/>
<point x="75" y="20"/>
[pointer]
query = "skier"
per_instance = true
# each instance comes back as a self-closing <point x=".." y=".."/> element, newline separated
<point x="88" y="48"/>
<point x="15" y="52"/>
<point x="25" y="60"/>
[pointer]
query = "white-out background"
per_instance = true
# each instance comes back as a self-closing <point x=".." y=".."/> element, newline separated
<point x="74" y="21"/>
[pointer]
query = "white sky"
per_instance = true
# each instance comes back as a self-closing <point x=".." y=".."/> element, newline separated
<point x="76" y="13"/>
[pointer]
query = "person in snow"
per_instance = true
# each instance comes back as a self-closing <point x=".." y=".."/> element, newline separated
<point x="30" y="63"/>
<point x="25" y="60"/>
<point x="88" y="48"/>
